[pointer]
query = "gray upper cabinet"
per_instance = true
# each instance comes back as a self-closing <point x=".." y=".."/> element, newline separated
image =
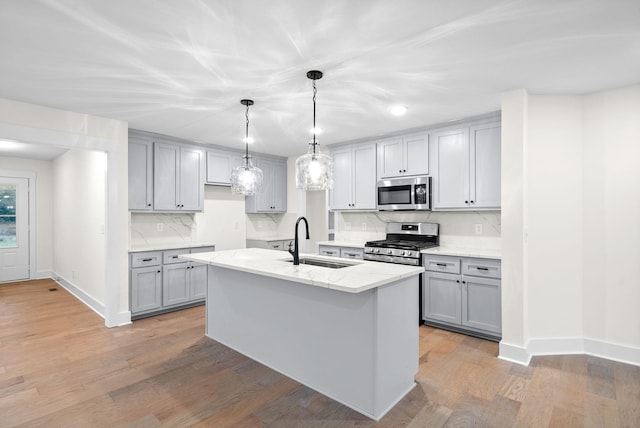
<point x="178" y="178"/>
<point x="403" y="156"/>
<point x="220" y="164"/>
<point x="273" y="198"/>
<point x="465" y="168"/>
<point x="140" y="175"/>
<point x="354" y="177"/>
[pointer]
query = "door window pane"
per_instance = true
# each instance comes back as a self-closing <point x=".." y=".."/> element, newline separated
<point x="7" y="215"/>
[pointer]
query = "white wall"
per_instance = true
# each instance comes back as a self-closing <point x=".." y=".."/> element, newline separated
<point x="222" y="222"/>
<point x="79" y="221"/>
<point x="578" y="287"/>
<point x="35" y="124"/>
<point x="611" y="207"/>
<point x="43" y="208"/>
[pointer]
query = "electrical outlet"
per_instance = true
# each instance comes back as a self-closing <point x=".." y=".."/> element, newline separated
<point x="159" y="227"/>
<point x="478" y="228"/>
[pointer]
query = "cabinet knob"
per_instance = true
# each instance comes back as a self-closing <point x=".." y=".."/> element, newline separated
<point x="399" y="170"/>
<point x="458" y="281"/>
<point x="466" y="202"/>
<point x="471" y="201"/>
<point x="148" y="205"/>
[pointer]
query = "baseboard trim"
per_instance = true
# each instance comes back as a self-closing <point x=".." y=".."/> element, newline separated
<point x="569" y="346"/>
<point x="514" y="354"/>
<point x="88" y="300"/>
<point x="43" y="274"/>
<point x="122" y="318"/>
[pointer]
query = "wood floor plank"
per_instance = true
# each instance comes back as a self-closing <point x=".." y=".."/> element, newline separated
<point x="60" y="366"/>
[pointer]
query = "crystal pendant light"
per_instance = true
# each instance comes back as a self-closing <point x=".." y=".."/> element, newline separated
<point x="246" y="179"/>
<point x="314" y="170"/>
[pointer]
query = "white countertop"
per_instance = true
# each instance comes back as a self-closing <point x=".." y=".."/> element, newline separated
<point x="269" y="238"/>
<point x="169" y="246"/>
<point x="482" y="253"/>
<point x="350" y="244"/>
<point x="362" y="276"/>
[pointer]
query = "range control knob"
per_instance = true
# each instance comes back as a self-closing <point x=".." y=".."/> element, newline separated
<point x="402" y="253"/>
<point x="389" y="252"/>
<point x="377" y="250"/>
<point x="409" y="254"/>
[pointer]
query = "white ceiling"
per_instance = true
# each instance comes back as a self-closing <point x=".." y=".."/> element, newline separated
<point x="180" y="67"/>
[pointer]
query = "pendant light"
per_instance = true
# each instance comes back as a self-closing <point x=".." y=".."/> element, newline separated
<point x="314" y="170"/>
<point x="246" y="179"/>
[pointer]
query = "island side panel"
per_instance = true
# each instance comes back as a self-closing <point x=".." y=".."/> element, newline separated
<point x="397" y="342"/>
<point x="320" y="337"/>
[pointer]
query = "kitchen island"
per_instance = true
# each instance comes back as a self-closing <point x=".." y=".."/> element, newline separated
<point x="349" y="333"/>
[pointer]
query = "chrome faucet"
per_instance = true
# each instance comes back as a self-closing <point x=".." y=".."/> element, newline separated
<point x="295" y="253"/>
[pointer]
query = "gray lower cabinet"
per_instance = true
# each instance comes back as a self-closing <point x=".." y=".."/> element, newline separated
<point x="271" y="244"/>
<point x="160" y="281"/>
<point x="462" y="294"/>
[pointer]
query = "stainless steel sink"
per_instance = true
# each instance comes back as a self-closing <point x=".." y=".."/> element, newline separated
<point x="323" y="263"/>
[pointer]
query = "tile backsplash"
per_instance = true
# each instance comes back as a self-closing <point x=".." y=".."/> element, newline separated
<point x="464" y="229"/>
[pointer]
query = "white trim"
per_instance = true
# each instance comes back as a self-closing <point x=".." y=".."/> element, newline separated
<point x="612" y="351"/>
<point x="514" y="354"/>
<point x="569" y="346"/>
<point x="88" y="300"/>
<point x="32" y="177"/>
<point x="556" y="346"/>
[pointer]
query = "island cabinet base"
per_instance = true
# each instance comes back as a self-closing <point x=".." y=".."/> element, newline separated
<point x="360" y="349"/>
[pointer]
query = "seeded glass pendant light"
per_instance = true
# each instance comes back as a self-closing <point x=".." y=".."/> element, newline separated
<point x="246" y="179"/>
<point x="314" y="170"/>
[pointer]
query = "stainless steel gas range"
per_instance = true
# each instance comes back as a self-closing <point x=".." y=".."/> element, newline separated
<point x="403" y="243"/>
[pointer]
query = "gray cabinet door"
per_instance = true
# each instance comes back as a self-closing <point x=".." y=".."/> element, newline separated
<point x="140" y="175"/>
<point x="390" y="158"/>
<point x="364" y="177"/>
<point x="481" y="308"/>
<point x="416" y="154"/>
<point x="450" y="182"/>
<point x="146" y="289"/>
<point x="341" y="194"/>
<point x="166" y="159"/>
<point x="441" y="297"/>
<point x="219" y="166"/>
<point x="273" y="197"/>
<point x="191" y="179"/>
<point x="175" y="284"/>
<point x="197" y="281"/>
<point x="484" y="179"/>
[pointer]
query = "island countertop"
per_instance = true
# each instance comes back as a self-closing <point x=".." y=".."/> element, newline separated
<point x="361" y="276"/>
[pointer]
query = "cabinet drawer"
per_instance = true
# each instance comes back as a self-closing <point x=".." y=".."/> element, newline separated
<point x="203" y="249"/>
<point x="486" y="268"/>
<point x="352" y="253"/>
<point x="329" y="251"/>
<point x="275" y="245"/>
<point x="441" y="264"/>
<point x="149" y="258"/>
<point x="171" y="256"/>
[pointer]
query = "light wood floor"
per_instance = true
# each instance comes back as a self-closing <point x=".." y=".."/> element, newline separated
<point x="60" y="367"/>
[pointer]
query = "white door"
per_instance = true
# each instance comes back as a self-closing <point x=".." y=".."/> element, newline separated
<point x="14" y="229"/>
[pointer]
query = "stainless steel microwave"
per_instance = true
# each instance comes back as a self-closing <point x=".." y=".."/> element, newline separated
<point x="404" y="194"/>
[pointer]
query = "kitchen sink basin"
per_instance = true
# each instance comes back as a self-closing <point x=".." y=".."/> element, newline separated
<point x="323" y="263"/>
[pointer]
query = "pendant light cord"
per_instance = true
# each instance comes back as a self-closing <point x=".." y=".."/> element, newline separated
<point x="246" y="137"/>
<point x="315" y="91"/>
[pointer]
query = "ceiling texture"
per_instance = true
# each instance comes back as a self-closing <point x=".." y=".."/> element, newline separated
<point x="181" y="67"/>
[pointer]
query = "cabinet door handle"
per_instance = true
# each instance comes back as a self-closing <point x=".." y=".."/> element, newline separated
<point x="482" y="268"/>
<point x="441" y="264"/>
<point x="174" y="257"/>
<point x="146" y="260"/>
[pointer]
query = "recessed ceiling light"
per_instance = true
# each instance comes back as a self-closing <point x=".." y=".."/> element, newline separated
<point x="398" y="110"/>
<point x="9" y="144"/>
